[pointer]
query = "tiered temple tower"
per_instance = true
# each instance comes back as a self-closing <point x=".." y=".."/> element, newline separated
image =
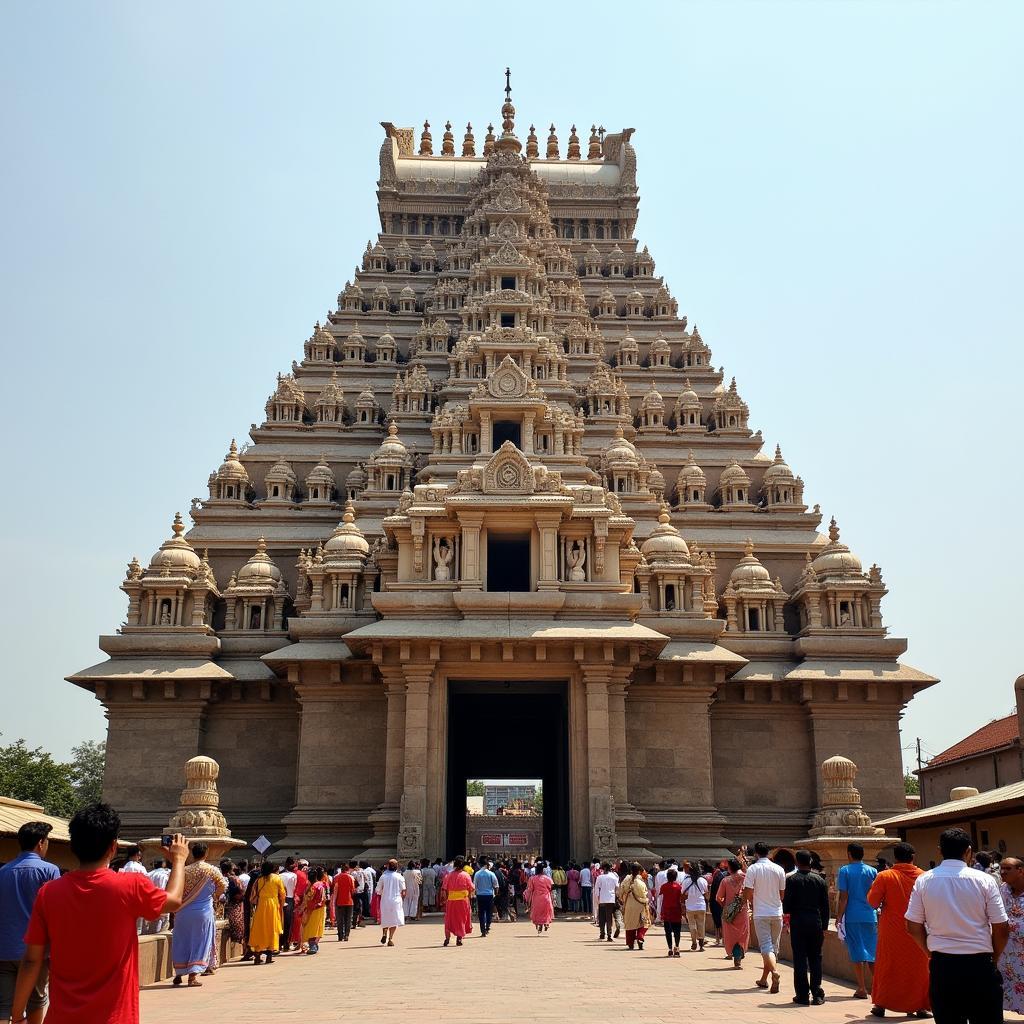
<point x="505" y="471"/>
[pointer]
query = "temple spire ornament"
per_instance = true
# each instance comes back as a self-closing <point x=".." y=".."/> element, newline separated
<point x="508" y="143"/>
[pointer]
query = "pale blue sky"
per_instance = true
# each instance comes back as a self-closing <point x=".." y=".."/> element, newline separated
<point x="832" y="191"/>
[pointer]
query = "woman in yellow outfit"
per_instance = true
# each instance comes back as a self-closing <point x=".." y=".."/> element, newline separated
<point x="267" y="899"/>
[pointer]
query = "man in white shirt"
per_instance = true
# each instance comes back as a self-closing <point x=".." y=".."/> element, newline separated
<point x="370" y="874"/>
<point x="134" y="866"/>
<point x="586" y="889"/>
<point x="358" y="893"/>
<point x="290" y="880"/>
<point x="957" y="916"/>
<point x="605" y="889"/>
<point x="764" y="887"/>
<point x="158" y="876"/>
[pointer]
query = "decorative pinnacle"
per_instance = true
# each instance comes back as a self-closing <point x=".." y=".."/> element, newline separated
<point x="177" y="527"/>
<point x="833" y="531"/>
<point x="508" y="84"/>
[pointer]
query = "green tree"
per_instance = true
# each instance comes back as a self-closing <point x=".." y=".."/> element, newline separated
<point x="474" y="787"/>
<point x="88" y="760"/>
<point x="33" y="775"/>
<point x="911" y="784"/>
<point x="538" y="799"/>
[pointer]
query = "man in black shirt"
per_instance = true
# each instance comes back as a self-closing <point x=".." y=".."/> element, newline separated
<point x="806" y="902"/>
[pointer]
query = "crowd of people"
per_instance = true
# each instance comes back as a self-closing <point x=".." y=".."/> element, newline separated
<point x="949" y="940"/>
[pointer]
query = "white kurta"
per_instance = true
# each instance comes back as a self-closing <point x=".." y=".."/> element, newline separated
<point x="390" y="888"/>
<point x="412" y="892"/>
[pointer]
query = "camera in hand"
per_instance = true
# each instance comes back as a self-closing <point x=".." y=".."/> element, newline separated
<point x="166" y="839"/>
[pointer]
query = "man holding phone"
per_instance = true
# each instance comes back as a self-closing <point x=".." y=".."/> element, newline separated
<point x="87" y="918"/>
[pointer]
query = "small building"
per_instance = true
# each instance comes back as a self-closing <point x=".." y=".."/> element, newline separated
<point x="15" y="813"/>
<point x="989" y="758"/>
<point x="994" y="819"/>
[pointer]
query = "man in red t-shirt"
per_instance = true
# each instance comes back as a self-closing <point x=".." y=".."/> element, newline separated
<point x="344" y="887"/>
<point x="87" y="918"/>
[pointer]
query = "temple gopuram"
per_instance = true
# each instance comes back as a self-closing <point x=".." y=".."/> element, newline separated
<point x="504" y="518"/>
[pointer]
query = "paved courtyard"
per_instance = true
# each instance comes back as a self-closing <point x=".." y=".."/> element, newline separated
<point x="512" y="975"/>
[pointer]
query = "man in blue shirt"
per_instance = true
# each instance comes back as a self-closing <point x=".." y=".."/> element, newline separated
<point x="20" y="881"/>
<point x="486" y="883"/>
<point x="858" y="916"/>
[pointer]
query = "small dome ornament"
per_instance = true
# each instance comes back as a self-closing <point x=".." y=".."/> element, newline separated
<point x="532" y="148"/>
<point x="468" y="142"/>
<point x="665" y="544"/>
<point x="749" y="570"/>
<point x="836" y="559"/>
<point x="448" y="140"/>
<point x="347" y="540"/>
<point x="552" y="149"/>
<point x="175" y="554"/>
<point x="426" y="142"/>
<point x="260" y="566"/>
<point x="573" y="152"/>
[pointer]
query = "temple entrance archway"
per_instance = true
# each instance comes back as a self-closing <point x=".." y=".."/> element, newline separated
<point x="509" y="730"/>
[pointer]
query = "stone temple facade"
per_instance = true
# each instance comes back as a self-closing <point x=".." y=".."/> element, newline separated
<point x="504" y="519"/>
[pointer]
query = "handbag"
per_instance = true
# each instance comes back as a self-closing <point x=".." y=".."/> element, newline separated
<point x="733" y="908"/>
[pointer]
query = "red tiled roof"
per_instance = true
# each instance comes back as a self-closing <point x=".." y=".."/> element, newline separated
<point x="1000" y="733"/>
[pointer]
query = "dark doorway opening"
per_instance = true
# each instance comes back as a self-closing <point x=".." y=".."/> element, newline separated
<point x="507" y="430"/>
<point x="518" y="730"/>
<point x="508" y="562"/>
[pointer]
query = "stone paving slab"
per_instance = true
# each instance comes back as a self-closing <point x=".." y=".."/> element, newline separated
<point x="512" y="975"/>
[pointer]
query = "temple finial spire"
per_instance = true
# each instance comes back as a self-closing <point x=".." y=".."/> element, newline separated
<point x="508" y="143"/>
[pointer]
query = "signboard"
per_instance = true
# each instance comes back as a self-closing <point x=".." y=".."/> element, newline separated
<point x="261" y="845"/>
<point x="504" y="839"/>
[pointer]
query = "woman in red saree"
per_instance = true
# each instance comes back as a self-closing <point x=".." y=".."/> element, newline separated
<point x="313" y="910"/>
<point x="456" y="889"/>
<point x="538" y="896"/>
<point x="901" y="966"/>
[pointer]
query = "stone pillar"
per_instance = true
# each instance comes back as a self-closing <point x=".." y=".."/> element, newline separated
<point x="412" y="828"/>
<point x="547" y="572"/>
<point x="673" y="723"/>
<point x="471" y="569"/>
<point x="628" y="820"/>
<point x="385" y="819"/>
<point x="601" y="803"/>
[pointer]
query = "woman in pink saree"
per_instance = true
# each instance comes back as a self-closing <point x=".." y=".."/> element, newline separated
<point x="538" y="895"/>
<point x="735" y="917"/>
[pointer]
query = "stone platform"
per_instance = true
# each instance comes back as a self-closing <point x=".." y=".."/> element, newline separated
<point x="512" y="975"/>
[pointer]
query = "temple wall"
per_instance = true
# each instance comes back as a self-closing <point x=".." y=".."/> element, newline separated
<point x="256" y="747"/>
<point x="146" y="747"/>
<point x="868" y="733"/>
<point x="764" y="770"/>
<point x="667" y="747"/>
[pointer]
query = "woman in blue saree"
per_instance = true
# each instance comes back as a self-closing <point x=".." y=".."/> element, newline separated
<point x="193" y="937"/>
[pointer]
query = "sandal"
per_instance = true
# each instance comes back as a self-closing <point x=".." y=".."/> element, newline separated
<point x="776" y="978"/>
